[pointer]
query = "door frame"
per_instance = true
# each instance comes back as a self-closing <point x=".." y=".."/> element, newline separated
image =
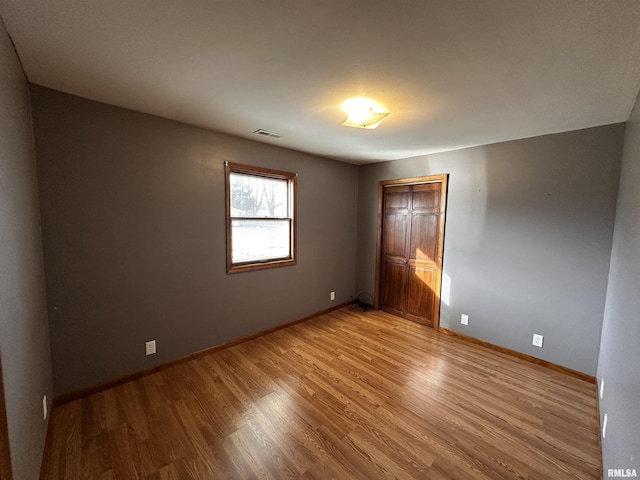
<point x="5" y="455"/>
<point x="443" y="178"/>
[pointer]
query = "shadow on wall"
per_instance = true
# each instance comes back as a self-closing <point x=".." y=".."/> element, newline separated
<point x="466" y="209"/>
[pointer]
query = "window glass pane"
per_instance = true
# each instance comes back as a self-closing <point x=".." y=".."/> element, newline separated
<point x="253" y="196"/>
<point x="258" y="240"/>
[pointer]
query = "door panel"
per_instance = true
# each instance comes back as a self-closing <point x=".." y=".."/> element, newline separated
<point x="421" y="298"/>
<point x="426" y="197"/>
<point x="424" y="236"/>
<point x="392" y="294"/>
<point x="396" y="235"/>
<point x="397" y="199"/>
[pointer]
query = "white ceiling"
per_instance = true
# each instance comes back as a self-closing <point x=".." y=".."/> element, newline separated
<point x="454" y="73"/>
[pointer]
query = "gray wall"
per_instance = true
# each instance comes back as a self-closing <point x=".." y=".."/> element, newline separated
<point x="24" y="332"/>
<point x="619" y="349"/>
<point x="134" y="238"/>
<point x="527" y="242"/>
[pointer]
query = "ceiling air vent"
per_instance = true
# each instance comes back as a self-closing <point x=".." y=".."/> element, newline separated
<point x="267" y="133"/>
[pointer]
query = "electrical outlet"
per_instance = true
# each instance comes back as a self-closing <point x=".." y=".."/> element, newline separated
<point x="464" y="319"/>
<point x="44" y="407"/>
<point x="150" y="347"/>
<point x="332" y="296"/>
<point x="601" y="388"/>
<point x="537" y="340"/>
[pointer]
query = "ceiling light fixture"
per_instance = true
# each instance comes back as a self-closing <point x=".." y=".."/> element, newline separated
<point x="363" y="113"/>
<point x="267" y="133"/>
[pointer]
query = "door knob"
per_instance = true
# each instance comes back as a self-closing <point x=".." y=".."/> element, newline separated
<point x="404" y="261"/>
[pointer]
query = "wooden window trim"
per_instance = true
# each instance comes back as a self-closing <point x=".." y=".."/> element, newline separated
<point x="292" y="178"/>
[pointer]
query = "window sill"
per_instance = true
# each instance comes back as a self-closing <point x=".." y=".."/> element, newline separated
<point x="248" y="267"/>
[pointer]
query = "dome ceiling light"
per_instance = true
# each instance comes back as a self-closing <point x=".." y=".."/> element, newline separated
<point x="363" y="113"/>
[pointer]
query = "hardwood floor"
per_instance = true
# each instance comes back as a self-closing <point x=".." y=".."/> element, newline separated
<point x="348" y="395"/>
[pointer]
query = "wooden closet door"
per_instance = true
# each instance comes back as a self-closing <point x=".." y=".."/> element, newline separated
<point x="395" y="242"/>
<point x="411" y="255"/>
<point x="422" y="295"/>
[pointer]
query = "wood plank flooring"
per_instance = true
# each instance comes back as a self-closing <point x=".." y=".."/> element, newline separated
<point x="348" y="395"/>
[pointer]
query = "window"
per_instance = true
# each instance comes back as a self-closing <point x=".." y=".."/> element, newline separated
<point x="261" y="222"/>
